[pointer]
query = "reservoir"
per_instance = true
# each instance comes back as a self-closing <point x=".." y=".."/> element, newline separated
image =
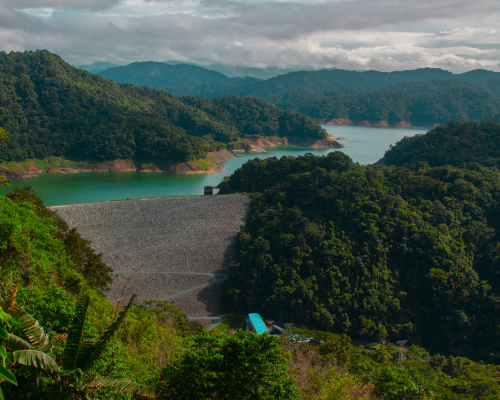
<point x="364" y="145"/>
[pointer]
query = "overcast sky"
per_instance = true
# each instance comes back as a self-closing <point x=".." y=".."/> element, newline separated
<point x="386" y="35"/>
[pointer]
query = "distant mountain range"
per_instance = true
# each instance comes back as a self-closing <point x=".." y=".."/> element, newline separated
<point x="97" y="67"/>
<point x="422" y="96"/>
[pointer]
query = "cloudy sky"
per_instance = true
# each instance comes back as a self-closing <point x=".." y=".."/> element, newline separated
<point x="386" y="35"/>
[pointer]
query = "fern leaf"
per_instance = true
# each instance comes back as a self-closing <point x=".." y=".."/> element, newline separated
<point x="30" y="327"/>
<point x="76" y="344"/>
<point x="121" y="385"/>
<point x="35" y="358"/>
<point x="100" y="346"/>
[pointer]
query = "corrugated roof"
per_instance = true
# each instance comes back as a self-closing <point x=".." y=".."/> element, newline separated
<point x="257" y="323"/>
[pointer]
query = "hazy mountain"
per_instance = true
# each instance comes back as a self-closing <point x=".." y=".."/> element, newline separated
<point x="97" y="67"/>
<point x="239" y="71"/>
<point x="429" y="95"/>
<point x="158" y="75"/>
<point x="333" y="79"/>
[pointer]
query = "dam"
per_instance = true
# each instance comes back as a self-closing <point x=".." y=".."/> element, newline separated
<point x="176" y="249"/>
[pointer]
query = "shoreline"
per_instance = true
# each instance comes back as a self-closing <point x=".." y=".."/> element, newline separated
<point x="375" y="124"/>
<point x="212" y="164"/>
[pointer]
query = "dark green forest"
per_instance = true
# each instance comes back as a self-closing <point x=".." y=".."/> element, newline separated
<point x="421" y="103"/>
<point x="213" y="85"/>
<point x="373" y="251"/>
<point x="453" y="144"/>
<point x="49" y="108"/>
<point x="423" y="96"/>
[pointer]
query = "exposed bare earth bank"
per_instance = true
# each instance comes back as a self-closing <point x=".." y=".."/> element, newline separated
<point x="213" y="163"/>
<point x="257" y="144"/>
<point x="381" y="124"/>
<point x="176" y="249"/>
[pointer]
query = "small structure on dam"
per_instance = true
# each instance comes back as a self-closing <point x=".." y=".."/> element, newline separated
<point x="209" y="190"/>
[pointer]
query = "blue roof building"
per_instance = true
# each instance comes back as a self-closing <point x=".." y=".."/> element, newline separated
<point x="258" y="325"/>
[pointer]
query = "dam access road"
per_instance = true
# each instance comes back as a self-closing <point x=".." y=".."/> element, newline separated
<point x="170" y="248"/>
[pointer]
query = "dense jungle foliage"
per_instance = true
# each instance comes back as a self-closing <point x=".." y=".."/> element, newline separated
<point x="453" y="144"/>
<point x="419" y="103"/>
<point x="52" y="109"/>
<point x="374" y="252"/>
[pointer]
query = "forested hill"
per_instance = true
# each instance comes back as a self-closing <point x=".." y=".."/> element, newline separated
<point x="421" y="104"/>
<point x="422" y="97"/>
<point x="454" y="143"/>
<point x="157" y="75"/>
<point x="49" y="108"/>
<point x="213" y="84"/>
<point x="375" y="252"/>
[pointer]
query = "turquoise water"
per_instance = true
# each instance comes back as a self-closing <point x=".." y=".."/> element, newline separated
<point x="363" y="144"/>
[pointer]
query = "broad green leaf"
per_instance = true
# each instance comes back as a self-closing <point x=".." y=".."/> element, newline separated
<point x="10" y="320"/>
<point x="35" y="358"/>
<point x="121" y="385"/>
<point x="7" y="375"/>
<point x="3" y="332"/>
<point x="1" y="395"/>
<point x="3" y="353"/>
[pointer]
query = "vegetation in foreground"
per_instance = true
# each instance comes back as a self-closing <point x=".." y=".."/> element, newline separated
<point x="61" y="339"/>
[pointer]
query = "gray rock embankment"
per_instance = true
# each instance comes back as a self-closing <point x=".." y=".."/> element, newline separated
<point x="171" y="248"/>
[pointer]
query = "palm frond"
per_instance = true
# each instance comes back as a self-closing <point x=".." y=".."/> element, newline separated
<point x="103" y="341"/>
<point x="35" y="358"/>
<point x="16" y="343"/>
<point x="30" y="327"/>
<point x="121" y="385"/>
<point x="75" y="344"/>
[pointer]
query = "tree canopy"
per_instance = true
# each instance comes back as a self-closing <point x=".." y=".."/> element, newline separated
<point x="375" y="252"/>
<point x="52" y="109"/>
<point x="450" y="144"/>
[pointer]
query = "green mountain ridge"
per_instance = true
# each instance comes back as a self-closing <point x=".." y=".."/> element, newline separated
<point x="421" y="103"/>
<point x="52" y="109"/>
<point x="428" y="95"/>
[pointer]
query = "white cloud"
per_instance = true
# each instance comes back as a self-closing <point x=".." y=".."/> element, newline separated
<point x="359" y="34"/>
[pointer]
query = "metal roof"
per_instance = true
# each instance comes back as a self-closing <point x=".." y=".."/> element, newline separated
<point x="257" y="323"/>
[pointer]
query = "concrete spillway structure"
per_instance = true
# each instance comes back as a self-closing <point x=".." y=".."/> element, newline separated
<point x="171" y="248"/>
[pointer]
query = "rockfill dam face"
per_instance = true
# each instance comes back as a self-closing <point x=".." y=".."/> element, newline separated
<point x="176" y="249"/>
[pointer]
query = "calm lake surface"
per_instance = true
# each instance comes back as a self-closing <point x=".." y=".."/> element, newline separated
<point x="363" y="144"/>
